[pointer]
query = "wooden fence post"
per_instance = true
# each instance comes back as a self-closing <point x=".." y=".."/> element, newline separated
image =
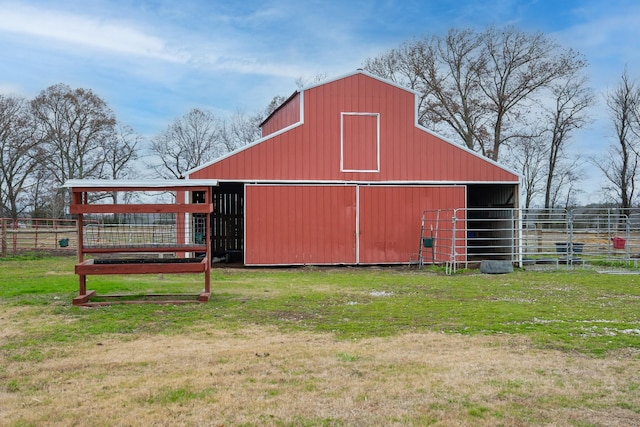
<point x="3" y="236"/>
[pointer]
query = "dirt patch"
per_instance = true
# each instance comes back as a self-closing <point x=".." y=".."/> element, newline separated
<point x="59" y="273"/>
<point x="262" y="377"/>
<point x="11" y="322"/>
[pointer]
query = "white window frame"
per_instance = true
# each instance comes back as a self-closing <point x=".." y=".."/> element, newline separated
<point x="377" y="116"/>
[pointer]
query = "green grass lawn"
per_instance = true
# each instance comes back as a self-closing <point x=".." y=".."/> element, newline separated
<point x="571" y="310"/>
<point x="321" y="347"/>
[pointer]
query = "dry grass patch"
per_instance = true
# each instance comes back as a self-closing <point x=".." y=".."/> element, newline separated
<point x="316" y="347"/>
<point x="260" y="376"/>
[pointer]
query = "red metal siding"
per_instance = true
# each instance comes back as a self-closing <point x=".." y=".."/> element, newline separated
<point x="303" y="224"/>
<point x="312" y="151"/>
<point x="300" y="225"/>
<point x="286" y="115"/>
<point x="390" y="219"/>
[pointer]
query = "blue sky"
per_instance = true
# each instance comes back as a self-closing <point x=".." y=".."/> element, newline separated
<point x="153" y="60"/>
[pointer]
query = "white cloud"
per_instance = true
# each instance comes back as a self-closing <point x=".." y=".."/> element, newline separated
<point x="112" y="36"/>
<point x="226" y="46"/>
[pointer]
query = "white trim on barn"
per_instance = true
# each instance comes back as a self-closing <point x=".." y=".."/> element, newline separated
<point x="138" y="183"/>
<point x="342" y="142"/>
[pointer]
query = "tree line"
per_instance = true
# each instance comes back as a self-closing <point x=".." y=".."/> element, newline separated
<point x="519" y="98"/>
<point x="65" y="133"/>
<point x="512" y="96"/>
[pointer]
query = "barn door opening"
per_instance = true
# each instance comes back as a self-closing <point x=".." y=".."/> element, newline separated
<point x="227" y="222"/>
<point x="492" y="227"/>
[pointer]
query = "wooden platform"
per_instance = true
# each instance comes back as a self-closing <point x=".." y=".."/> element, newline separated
<point x="172" y="299"/>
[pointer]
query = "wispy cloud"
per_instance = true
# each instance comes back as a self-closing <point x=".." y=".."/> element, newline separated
<point x="52" y="26"/>
<point x="606" y="35"/>
<point x="224" y="47"/>
<point x="153" y="59"/>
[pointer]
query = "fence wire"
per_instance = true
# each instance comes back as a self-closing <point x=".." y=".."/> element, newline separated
<point x="455" y="238"/>
<point x="531" y="237"/>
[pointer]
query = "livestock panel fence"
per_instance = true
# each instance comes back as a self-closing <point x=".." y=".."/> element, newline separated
<point x="455" y="238"/>
<point x="532" y="237"/>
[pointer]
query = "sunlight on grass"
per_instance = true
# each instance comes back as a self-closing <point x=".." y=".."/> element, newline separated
<point x="321" y="346"/>
<point x="577" y="310"/>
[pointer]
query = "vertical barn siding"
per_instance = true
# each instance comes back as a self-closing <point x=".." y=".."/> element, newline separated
<point x="285" y="116"/>
<point x="390" y="219"/>
<point x="300" y="225"/>
<point x="312" y="151"/>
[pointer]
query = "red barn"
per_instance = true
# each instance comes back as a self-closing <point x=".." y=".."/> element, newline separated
<point x="342" y="175"/>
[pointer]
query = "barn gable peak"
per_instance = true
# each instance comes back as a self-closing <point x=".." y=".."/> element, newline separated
<point x="354" y="127"/>
<point x="356" y="72"/>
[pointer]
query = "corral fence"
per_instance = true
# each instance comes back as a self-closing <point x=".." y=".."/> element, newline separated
<point x="531" y="237"/>
<point x="38" y="235"/>
<point x="457" y="238"/>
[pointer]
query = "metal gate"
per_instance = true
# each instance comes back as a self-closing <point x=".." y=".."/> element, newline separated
<point x="556" y="237"/>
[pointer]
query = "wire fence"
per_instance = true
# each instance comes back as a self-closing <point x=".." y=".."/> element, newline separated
<point x="455" y="238"/>
<point x="551" y="237"/>
<point x="60" y="236"/>
<point x="143" y="231"/>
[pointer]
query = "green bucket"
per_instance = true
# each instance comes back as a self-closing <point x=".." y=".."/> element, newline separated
<point x="63" y="243"/>
<point x="427" y="242"/>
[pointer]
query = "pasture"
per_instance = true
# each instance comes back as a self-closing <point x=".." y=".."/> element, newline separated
<point x="322" y="347"/>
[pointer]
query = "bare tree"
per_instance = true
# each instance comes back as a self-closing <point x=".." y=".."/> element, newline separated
<point x="17" y="150"/>
<point x="199" y="137"/>
<point x="188" y="142"/>
<point x="45" y="199"/>
<point x="74" y="127"/>
<point x="621" y="165"/>
<point x="528" y="156"/>
<point x="275" y="103"/>
<point x="121" y="152"/>
<point x="241" y="129"/>
<point x="571" y="98"/>
<point x="444" y="71"/>
<point x="480" y="85"/>
<point x="394" y="65"/>
<point x="519" y="65"/>
<point x="303" y="81"/>
<point x="448" y="71"/>
<point x="565" y="189"/>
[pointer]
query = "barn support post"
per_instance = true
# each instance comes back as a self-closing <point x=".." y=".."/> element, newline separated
<point x="3" y="236"/>
<point x="181" y="221"/>
<point x="450" y="266"/>
<point x="82" y="277"/>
